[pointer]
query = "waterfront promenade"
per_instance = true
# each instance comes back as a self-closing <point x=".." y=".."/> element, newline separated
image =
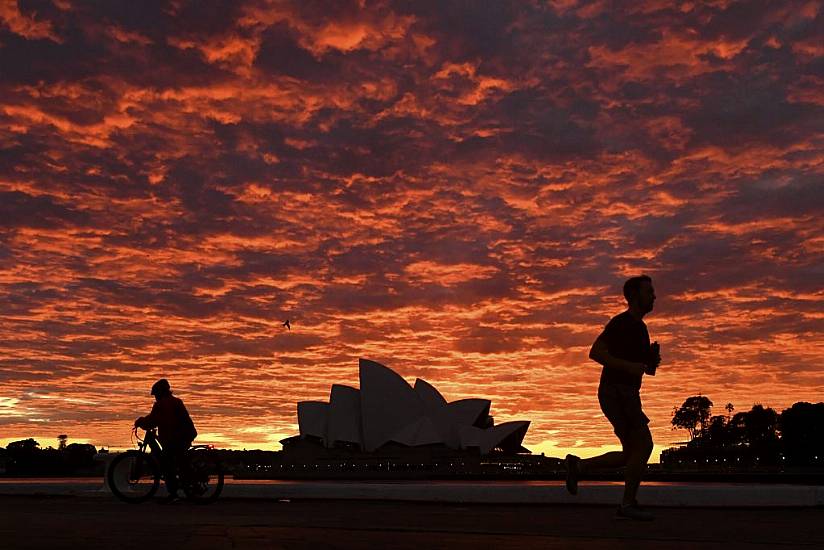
<point x="66" y="513"/>
<point x="102" y="522"/>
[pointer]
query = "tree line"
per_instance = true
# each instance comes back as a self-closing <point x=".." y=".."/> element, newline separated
<point x="761" y="435"/>
<point x="26" y="457"/>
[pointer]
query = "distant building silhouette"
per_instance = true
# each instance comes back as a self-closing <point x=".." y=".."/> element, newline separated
<point x="387" y="411"/>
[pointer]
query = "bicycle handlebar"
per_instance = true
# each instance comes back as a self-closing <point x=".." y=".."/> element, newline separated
<point x="135" y="435"/>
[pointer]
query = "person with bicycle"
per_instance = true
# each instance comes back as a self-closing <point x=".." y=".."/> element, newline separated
<point x="175" y="431"/>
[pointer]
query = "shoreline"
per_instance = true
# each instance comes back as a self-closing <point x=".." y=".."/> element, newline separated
<point x="761" y="478"/>
<point x="651" y="493"/>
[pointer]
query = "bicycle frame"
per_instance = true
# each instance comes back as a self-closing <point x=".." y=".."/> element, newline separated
<point x="150" y="441"/>
<point x="197" y="470"/>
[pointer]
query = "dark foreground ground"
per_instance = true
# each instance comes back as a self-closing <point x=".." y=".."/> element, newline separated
<point x="76" y="522"/>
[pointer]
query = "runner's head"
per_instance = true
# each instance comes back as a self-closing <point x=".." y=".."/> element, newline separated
<point x="161" y="388"/>
<point x="639" y="293"/>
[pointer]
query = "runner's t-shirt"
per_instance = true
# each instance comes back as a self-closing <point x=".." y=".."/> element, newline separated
<point x="627" y="338"/>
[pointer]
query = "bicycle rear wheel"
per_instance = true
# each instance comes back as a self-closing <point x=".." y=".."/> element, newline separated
<point x="201" y="476"/>
<point x="133" y="477"/>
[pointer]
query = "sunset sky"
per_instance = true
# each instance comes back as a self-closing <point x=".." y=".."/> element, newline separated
<point x="454" y="189"/>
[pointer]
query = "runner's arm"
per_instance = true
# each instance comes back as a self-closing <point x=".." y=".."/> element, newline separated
<point x="600" y="354"/>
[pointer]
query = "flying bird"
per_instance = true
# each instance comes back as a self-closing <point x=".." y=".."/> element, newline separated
<point x="287" y="324"/>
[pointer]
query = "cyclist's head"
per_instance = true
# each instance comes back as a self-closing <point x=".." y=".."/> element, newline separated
<point x="161" y="388"/>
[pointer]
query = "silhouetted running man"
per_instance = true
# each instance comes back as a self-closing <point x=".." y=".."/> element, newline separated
<point x="175" y="431"/>
<point x="624" y="350"/>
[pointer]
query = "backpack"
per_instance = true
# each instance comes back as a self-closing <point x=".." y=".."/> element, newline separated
<point x="187" y="426"/>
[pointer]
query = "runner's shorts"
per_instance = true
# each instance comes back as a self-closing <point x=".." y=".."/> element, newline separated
<point x="622" y="407"/>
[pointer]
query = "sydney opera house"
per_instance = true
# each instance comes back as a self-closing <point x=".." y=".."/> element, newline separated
<point x="387" y="412"/>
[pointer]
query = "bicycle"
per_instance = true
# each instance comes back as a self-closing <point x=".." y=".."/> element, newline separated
<point x="134" y="476"/>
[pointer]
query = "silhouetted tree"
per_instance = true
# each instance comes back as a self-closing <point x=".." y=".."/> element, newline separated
<point x="761" y="425"/>
<point x="737" y="428"/>
<point x="716" y="433"/>
<point x="80" y="455"/>
<point x="24" y="455"/>
<point x="802" y="433"/>
<point x="761" y="434"/>
<point x="24" y="445"/>
<point x="61" y="442"/>
<point x="747" y="439"/>
<point x="693" y="415"/>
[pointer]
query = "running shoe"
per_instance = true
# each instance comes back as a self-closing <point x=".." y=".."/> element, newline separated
<point x="632" y="511"/>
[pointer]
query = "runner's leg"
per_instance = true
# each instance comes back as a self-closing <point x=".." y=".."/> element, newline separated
<point x="638" y="448"/>
<point x="606" y="461"/>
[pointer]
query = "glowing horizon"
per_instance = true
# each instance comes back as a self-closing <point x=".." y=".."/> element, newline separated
<point x="456" y="193"/>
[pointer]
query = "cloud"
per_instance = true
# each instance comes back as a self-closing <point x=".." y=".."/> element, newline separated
<point x="455" y="189"/>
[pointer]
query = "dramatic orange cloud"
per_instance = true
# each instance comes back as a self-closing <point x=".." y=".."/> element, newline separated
<point x="455" y="190"/>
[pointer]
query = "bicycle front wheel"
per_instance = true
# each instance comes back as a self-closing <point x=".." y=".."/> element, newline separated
<point x="133" y="477"/>
<point x="202" y="476"/>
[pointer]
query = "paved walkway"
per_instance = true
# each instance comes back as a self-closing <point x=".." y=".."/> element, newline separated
<point x="79" y="522"/>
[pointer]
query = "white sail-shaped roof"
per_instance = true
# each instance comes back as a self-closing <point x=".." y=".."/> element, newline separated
<point x="508" y="435"/>
<point x="470" y="411"/>
<point x="470" y="436"/>
<point x="312" y="417"/>
<point x="448" y="418"/>
<point x="431" y="398"/>
<point x="344" y="415"/>
<point x="386" y="409"/>
<point x="388" y="403"/>
<point x="421" y="431"/>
